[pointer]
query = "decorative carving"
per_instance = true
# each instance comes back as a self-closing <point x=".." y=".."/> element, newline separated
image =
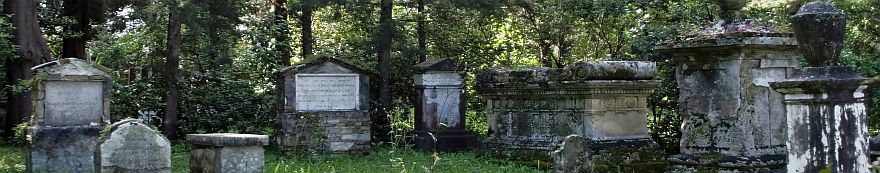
<point x="819" y="29"/>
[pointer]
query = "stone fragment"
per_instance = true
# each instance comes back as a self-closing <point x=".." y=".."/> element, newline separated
<point x="572" y="156"/>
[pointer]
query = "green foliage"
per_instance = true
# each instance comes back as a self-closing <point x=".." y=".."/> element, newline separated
<point x="12" y="159"/>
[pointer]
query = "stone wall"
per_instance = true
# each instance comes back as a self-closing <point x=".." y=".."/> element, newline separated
<point x="532" y="111"/>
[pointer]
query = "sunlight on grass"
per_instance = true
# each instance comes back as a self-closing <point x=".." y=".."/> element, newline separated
<point x="380" y="160"/>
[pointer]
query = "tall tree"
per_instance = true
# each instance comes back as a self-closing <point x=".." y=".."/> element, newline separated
<point x="84" y="13"/>
<point x="172" y="71"/>
<point x="32" y="49"/>
<point x="281" y="31"/>
<point x="305" y="21"/>
<point x="420" y="31"/>
<point x="386" y="32"/>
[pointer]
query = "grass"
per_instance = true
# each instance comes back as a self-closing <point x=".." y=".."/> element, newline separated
<point x="380" y="160"/>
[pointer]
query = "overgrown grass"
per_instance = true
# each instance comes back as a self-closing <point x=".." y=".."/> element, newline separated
<point x="380" y="160"/>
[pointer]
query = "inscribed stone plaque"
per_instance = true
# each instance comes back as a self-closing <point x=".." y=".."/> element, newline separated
<point x="134" y="147"/>
<point x="445" y="102"/>
<point x="70" y="103"/>
<point x="327" y="92"/>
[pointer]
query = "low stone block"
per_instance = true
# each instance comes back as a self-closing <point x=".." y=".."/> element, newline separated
<point x="62" y="149"/>
<point x="227" y="153"/>
<point x="134" y="147"/>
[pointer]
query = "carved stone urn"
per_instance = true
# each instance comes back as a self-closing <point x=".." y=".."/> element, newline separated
<point x="819" y="29"/>
<point x="730" y="10"/>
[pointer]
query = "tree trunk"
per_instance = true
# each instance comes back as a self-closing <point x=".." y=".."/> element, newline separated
<point x="420" y="30"/>
<point x="305" y="21"/>
<point x="386" y="30"/>
<point x="32" y="49"/>
<point x="281" y="32"/>
<point x="75" y="46"/>
<point x="172" y="63"/>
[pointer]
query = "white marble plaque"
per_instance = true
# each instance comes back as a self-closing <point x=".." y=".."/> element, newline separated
<point x="327" y="92"/>
<point x="446" y="104"/>
<point x="434" y="79"/>
<point x="73" y="103"/>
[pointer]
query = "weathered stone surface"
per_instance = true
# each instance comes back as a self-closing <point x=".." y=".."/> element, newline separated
<point x="74" y="93"/>
<point x="572" y="156"/>
<point x="731" y="116"/>
<point x="320" y="103"/>
<point x="440" y="107"/>
<point x="820" y="29"/>
<point x="227" y="153"/>
<point x="62" y="149"/>
<point x="534" y="110"/>
<point x="132" y="146"/>
<point x="228" y="139"/>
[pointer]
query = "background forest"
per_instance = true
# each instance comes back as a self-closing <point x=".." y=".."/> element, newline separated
<point x="198" y="66"/>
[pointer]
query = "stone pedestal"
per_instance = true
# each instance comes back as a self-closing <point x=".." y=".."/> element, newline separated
<point x="323" y="107"/>
<point x="530" y="112"/>
<point x="440" y="107"/>
<point x="824" y="103"/>
<point x="71" y="104"/>
<point x="227" y="153"/>
<point x="732" y="119"/>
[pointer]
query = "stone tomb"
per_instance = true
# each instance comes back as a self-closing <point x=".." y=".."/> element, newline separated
<point x="227" y="153"/>
<point x="324" y="108"/>
<point x="530" y="112"/>
<point x="132" y="146"/>
<point x="440" y="107"/>
<point x="71" y="104"/>
<point x="732" y="119"/>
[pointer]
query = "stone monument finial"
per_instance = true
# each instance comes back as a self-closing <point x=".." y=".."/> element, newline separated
<point x="730" y="10"/>
<point x="819" y="29"/>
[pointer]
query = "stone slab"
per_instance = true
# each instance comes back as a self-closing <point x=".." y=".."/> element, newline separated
<point x="228" y="139"/>
<point x="439" y="79"/>
<point x="241" y="159"/>
<point x="62" y="149"/>
<point x="134" y="147"/>
<point x="441" y="106"/>
<point x="73" y="103"/>
<point x="327" y="92"/>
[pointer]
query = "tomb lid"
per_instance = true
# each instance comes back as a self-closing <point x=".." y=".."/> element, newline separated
<point x="322" y="61"/>
<point x="442" y="64"/>
<point x="228" y="139"/>
<point x="577" y="72"/>
<point x="62" y="68"/>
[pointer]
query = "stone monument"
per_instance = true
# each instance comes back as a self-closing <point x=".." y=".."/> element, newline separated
<point x="440" y="107"/>
<point x="132" y="146"/>
<point x="71" y="104"/>
<point x="530" y="112"/>
<point x="324" y="108"/>
<point x="732" y="119"/>
<point x="824" y="103"/>
<point x="227" y="153"/>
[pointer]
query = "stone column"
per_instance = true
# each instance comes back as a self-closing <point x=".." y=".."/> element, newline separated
<point x="732" y="119"/>
<point x="441" y="107"/>
<point x="71" y="105"/>
<point x="530" y="113"/>
<point x="824" y="103"/>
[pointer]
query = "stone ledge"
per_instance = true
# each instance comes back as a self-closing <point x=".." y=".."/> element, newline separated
<point x="575" y="73"/>
<point x="228" y="139"/>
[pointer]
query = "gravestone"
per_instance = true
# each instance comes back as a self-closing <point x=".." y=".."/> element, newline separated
<point x="733" y="120"/>
<point x="71" y="104"/>
<point x="440" y="107"/>
<point x="530" y="112"/>
<point x="132" y="146"/>
<point x="227" y="153"/>
<point x="572" y="155"/>
<point x="324" y="108"/>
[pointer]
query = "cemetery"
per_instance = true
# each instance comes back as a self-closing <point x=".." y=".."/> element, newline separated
<point x="748" y="87"/>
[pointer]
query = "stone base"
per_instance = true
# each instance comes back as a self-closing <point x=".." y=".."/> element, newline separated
<point x="719" y="163"/>
<point x="212" y="159"/>
<point x="62" y="149"/>
<point x="447" y="141"/>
